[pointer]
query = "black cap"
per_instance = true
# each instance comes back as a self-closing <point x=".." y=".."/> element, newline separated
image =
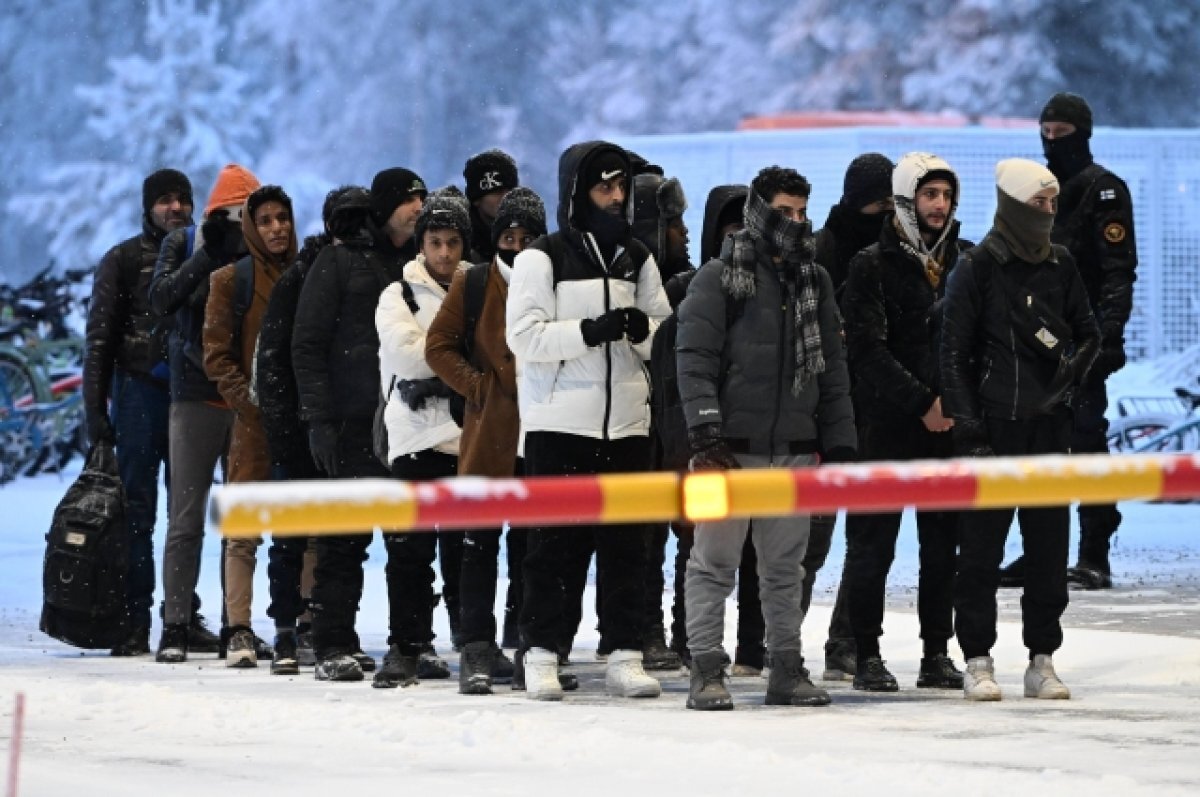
<point x="521" y="207"/>
<point x="1069" y="108"/>
<point x="604" y="166"/>
<point x="445" y="209"/>
<point x="868" y="179"/>
<point x="163" y="182"/>
<point x="392" y="188"/>
<point x="490" y="171"/>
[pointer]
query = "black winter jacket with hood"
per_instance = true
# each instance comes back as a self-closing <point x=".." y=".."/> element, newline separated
<point x="719" y="198"/>
<point x="123" y="331"/>
<point x="846" y="233"/>
<point x="335" y="346"/>
<point x="892" y="314"/>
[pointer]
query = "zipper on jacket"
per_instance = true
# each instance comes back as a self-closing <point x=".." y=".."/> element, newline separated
<point x="781" y="364"/>
<point x="1012" y="341"/>
<point x="608" y="345"/>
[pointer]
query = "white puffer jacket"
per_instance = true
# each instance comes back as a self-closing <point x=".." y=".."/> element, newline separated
<point x="563" y="385"/>
<point x="402" y="356"/>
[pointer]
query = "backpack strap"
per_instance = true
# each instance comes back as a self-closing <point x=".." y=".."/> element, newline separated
<point x="476" y="286"/>
<point x="243" y="297"/>
<point x="190" y="237"/>
<point x="406" y="292"/>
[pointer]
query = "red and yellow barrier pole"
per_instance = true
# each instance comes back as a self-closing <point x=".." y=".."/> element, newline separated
<point x="341" y="506"/>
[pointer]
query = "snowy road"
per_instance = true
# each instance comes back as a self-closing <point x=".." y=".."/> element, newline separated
<point x="96" y="725"/>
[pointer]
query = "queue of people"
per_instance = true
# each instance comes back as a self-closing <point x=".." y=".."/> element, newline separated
<point x="430" y="334"/>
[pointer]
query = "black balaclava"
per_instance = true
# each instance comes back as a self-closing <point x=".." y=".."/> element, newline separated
<point x="610" y="230"/>
<point x="1069" y="155"/>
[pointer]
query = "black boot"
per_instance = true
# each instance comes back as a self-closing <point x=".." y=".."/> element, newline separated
<point x="285" y="661"/>
<point x="502" y="666"/>
<point x="789" y="684"/>
<point x="938" y="672"/>
<point x="173" y="644"/>
<point x="655" y="653"/>
<point x="475" y="668"/>
<point x="1092" y="571"/>
<point x="708" y="691"/>
<point x="872" y="675"/>
<point x="399" y="669"/>
<point x="136" y="644"/>
<point x="200" y="638"/>
<point x="431" y="666"/>
<point x="1012" y="576"/>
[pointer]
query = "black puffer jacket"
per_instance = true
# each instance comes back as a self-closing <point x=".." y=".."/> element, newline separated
<point x="481" y="247"/>
<point x="846" y="233"/>
<point x="988" y="369"/>
<point x="892" y="313"/>
<point x="123" y="331"/>
<point x="180" y="289"/>
<point x="278" y="399"/>
<point x="335" y="346"/>
<point x="719" y="198"/>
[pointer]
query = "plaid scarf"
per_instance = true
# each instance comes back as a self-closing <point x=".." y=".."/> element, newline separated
<point x="793" y="242"/>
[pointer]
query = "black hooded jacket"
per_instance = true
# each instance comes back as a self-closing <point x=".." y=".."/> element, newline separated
<point x="846" y="233"/>
<point x="123" y="331"/>
<point x="335" y="345"/>
<point x="892" y="317"/>
<point x="719" y="198"/>
<point x="482" y="249"/>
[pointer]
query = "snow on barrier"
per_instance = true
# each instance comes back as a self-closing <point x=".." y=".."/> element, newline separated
<point x="341" y="506"/>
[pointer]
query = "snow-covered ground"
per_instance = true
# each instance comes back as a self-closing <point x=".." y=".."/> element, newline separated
<point x="99" y="725"/>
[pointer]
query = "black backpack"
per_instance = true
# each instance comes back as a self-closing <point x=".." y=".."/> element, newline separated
<point x="87" y="558"/>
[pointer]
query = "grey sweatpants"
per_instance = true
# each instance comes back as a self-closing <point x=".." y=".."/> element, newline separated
<point x="780" y="543"/>
<point x="199" y="439"/>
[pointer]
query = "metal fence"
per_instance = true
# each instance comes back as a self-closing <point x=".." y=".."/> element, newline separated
<point x="1162" y="168"/>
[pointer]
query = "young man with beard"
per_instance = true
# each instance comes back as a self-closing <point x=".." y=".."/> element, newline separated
<point x="853" y="224"/>
<point x="335" y="354"/>
<point x="230" y="338"/>
<point x="200" y="419"/>
<point x="125" y="360"/>
<point x="891" y="304"/>
<point x="1018" y="337"/>
<point x="762" y="375"/>
<point x="1095" y="224"/>
<point x="582" y="308"/>
<point x="489" y="176"/>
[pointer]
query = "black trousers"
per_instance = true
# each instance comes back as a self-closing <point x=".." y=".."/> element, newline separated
<point x="338" y="576"/>
<point x="285" y="556"/>
<point x="410" y="556"/>
<point x="620" y="549"/>
<point x="820" y="540"/>
<point x="1089" y="435"/>
<point x="477" y="582"/>
<point x="1045" y="533"/>
<point x="871" y="546"/>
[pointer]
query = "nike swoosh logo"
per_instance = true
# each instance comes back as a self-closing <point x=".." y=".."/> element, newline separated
<point x="1046" y="183"/>
<point x="610" y="175"/>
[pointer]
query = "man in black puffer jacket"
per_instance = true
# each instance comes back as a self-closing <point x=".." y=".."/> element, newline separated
<point x="891" y="303"/>
<point x="1017" y="339"/>
<point x="335" y="355"/>
<point x="126" y="361"/>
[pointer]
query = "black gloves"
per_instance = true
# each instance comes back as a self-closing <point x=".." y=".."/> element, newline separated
<point x="1109" y="360"/>
<point x="415" y="392"/>
<point x="971" y="438"/>
<point x="99" y="428"/>
<point x="839" y="454"/>
<point x="323" y="443"/>
<point x="709" y="449"/>
<point x="223" y="242"/>
<point x="637" y="325"/>
<point x="608" y="328"/>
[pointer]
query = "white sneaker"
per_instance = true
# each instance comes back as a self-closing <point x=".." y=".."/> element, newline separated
<point x="541" y="675"/>
<point x="979" y="681"/>
<point x="1042" y="682"/>
<point x="624" y="676"/>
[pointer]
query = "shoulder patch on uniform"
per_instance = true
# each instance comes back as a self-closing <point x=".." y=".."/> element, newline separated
<point x="1108" y="194"/>
<point x="1114" y="233"/>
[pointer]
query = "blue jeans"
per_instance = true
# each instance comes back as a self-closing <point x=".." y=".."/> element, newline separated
<point x="139" y="415"/>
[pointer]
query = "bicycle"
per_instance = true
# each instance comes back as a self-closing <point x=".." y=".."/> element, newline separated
<point x="1157" y="424"/>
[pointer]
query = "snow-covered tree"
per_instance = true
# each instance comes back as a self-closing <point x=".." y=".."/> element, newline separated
<point x="181" y="104"/>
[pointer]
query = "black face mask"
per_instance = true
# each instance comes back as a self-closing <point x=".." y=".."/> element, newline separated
<point x="610" y="230"/>
<point x="1067" y="156"/>
<point x="507" y="256"/>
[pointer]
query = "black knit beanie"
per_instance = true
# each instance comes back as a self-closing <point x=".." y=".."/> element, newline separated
<point x="163" y="182"/>
<point x="521" y="207"/>
<point x="445" y="209"/>
<point x="1069" y="108"/>
<point x="490" y="171"/>
<point x="868" y="179"/>
<point x="392" y="188"/>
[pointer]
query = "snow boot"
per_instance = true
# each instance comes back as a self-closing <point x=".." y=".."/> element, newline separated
<point x="1042" y="682"/>
<point x="136" y="644"/>
<point x="173" y="644"/>
<point x="1012" y="576"/>
<point x="566" y="680"/>
<point x="284" y="662"/>
<point x="708" y="691"/>
<point x="625" y="677"/>
<point x="841" y="661"/>
<point x="655" y="653"/>
<point x="475" y="668"/>
<point x="399" y="669"/>
<point x="979" y="682"/>
<point x="938" y="672"/>
<point x="365" y="662"/>
<point x="431" y="666"/>
<point x="241" y="652"/>
<point x="338" y="667"/>
<point x="748" y="661"/>
<point x="789" y="684"/>
<point x="872" y="675"/>
<point x="200" y="638"/>
<point x="541" y="675"/>
<point x="305" y="655"/>
<point x="502" y="666"/>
